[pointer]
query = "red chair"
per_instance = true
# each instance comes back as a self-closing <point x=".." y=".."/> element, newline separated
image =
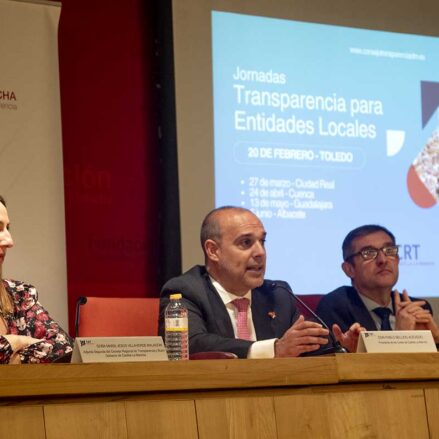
<point x="116" y="317"/>
<point x="312" y="300"/>
<point x="213" y="356"/>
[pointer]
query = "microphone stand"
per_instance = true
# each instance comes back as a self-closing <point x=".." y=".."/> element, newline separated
<point x="336" y="348"/>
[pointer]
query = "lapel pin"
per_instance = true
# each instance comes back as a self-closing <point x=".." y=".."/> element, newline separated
<point x="272" y="314"/>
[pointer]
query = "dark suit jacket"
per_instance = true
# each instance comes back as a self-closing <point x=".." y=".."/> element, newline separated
<point x="210" y="328"/>
<point x="345" y="307"/>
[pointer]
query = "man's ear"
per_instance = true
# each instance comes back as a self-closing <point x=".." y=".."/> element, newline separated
<point x="211" y="248"/>
<point x="348" y="269"/>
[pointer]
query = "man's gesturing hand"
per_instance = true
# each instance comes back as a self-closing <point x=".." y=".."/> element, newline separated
<point x="303" y="336"/>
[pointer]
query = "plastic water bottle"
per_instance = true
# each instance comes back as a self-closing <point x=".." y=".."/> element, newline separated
<point x="176" y="329"/>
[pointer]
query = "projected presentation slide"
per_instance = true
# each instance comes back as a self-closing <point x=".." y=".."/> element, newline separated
<point x="319" y="129"/>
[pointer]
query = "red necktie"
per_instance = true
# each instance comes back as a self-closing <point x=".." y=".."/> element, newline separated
<point x="241" y="321"/>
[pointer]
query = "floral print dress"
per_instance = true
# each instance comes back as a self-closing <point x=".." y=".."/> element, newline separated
<point x="31" y="319"/>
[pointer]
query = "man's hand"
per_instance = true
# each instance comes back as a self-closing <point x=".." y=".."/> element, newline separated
<point x="411" y="316"/>
<point x="303" y="336"/>
<point x="348" y="339"/>
<point x="428" y="323"/>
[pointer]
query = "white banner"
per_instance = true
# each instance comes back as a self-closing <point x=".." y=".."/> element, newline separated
<point x="31" y="176"/>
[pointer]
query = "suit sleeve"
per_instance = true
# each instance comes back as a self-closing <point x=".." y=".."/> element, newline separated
<point x="427" y="306"/>
<point x="333" y="311"/>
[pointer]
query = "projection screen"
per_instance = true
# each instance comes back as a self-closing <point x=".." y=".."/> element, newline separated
<point x="319" y="117"/>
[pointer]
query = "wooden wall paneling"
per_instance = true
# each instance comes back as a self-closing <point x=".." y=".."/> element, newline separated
<point x="304" y="416"/>
<point x="86" y="421"/>
<point x="233" y="418"/>
<point x="383" y="414"/>
<point x="378" y="414"/>
<point x="161" y="419"/>
<point x="22" y="421"/>
<point x="432" y="404"/>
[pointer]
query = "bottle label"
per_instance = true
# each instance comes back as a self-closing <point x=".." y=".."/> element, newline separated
<point x="177" y="324"/>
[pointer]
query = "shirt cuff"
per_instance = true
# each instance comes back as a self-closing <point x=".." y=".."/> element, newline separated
<point x="262" y="349"/>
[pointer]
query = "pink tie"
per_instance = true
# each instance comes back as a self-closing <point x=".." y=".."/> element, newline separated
<point x="241" y="322"/>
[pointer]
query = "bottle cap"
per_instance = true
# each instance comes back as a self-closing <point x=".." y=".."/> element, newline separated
<point x="175" y="296"/>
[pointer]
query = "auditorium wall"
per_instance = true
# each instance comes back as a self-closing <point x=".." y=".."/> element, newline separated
<point x="110" y="149"/>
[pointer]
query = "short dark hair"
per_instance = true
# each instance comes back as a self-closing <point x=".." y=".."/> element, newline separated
<point x="2" y="200"/>
<point x="360" y="232"/>
<point x="210" y="228"/>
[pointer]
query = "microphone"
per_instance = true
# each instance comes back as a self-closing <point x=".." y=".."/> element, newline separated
<point x="81" y="301"/>
<point x="336" y="348"/>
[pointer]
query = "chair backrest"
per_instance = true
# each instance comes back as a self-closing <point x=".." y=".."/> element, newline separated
<point x="213" y="356"/>
<point x="116" y="317"/>
<point x="312" y="300"/>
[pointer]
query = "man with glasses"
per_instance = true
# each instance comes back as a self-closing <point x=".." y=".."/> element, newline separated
<point x="370" y="260"/>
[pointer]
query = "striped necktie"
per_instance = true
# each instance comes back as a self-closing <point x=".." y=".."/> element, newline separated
<point x="242" y="319"/>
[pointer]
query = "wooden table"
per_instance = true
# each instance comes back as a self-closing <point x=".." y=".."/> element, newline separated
<point x="341" y="396"/>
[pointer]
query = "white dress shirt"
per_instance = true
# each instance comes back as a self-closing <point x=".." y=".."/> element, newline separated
<point x="371" y="305"/>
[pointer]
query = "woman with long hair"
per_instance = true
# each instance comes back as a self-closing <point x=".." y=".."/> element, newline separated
<point x="27" y="333"/>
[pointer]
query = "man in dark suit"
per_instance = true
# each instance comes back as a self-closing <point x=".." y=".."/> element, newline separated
<point x="371" y="261"/>
<point x="233" y="241"/>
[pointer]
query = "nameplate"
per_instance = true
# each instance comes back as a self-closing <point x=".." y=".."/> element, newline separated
<point x="118" y="349"/>
<point x="396" y="341"/>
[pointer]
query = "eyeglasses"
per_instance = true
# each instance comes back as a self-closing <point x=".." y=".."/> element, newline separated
<point x="370" y="253"/>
